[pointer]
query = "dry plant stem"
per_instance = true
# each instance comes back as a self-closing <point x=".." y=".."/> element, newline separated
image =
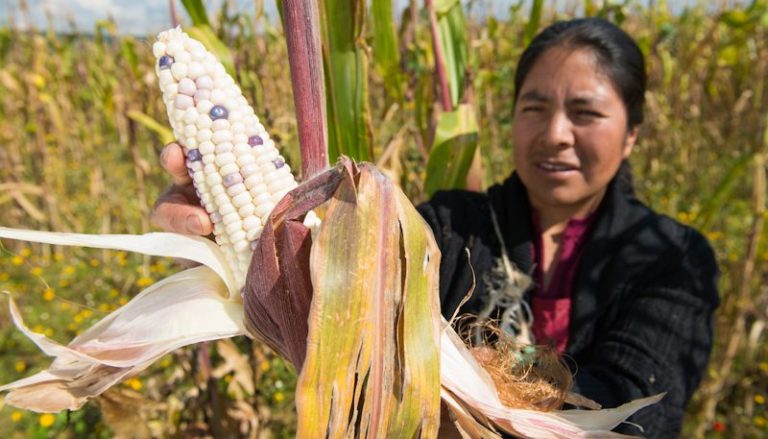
<point x="738" y="328"/>
<point x="302" y="35"/>
<point x="442" y="75"/>
<point x="204" y="360"/>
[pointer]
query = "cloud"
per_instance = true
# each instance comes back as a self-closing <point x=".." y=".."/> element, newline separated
<point x="140" y="17"/>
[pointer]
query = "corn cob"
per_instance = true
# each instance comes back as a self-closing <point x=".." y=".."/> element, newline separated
<point x="235" y="167"/>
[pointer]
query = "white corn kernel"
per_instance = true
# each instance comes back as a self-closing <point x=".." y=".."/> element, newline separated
<point x="237" y="183"/>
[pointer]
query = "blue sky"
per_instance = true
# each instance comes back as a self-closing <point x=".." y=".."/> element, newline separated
<point x="147" y="17"/>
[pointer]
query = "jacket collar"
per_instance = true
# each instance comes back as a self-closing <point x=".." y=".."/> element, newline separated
<point x="615" y="215"/>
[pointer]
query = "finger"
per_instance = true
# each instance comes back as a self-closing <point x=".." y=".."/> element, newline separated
<point x="174" y="213"/>
<point x="172" y="160"/>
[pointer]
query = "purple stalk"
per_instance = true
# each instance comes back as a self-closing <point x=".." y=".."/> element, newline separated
<point x="301" y="23"/>
<point x="174" y="14"/>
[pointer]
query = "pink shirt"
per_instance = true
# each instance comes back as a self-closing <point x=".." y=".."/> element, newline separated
<point x="552" y="307"/>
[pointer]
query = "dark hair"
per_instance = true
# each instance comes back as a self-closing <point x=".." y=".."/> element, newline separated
<point x="617" y="54"/>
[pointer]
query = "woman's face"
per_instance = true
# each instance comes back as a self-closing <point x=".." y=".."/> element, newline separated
<point x="570" y="132"/>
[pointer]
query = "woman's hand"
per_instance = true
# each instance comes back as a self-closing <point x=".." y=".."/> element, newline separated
<point x="178" y="209"/>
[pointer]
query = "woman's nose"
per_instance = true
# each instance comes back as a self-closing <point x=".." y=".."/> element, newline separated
<point x="559" y="131"/>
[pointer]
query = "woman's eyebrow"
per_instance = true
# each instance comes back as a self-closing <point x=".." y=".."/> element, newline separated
<point x="534" y="95"/>
<point x="581" y="100"/>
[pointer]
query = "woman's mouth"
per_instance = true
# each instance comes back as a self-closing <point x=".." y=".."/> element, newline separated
<point x="555" y="167"/>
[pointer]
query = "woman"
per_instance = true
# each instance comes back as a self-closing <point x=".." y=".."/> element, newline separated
<point x="624" y="292"/>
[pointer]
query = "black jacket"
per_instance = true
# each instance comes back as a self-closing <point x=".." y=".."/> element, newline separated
<point x="643" y="299"/>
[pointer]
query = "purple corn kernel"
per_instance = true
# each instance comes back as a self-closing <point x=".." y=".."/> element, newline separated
<point x="215" y="217"/>
<point x="194" y="155"/>
<point x="232" y="179"/>
<point x="279" y="163"/>
<point x="255" y="141"/>
<point x="218" y="112"/>
<point x="165" y="62"/>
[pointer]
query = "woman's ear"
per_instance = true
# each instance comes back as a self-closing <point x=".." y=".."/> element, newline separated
<point x="629" y="141"/>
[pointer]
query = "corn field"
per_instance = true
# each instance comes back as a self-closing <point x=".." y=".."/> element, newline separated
<point x="82" y="123"/>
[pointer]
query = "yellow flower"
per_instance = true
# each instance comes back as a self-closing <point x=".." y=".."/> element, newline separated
<point x="103" y="307"/>
<point x="26" y="252"/>
<point x="38" y="328"/>
<point x="17" y="260"/>
<point x="94" y="262"/>
<point x="122" y="301"/>
<point x="36" y="271"/>
<point x="58" y="257"/>
<point x="264" y="366"/>
<point x="714" y="235"/>
<point x="760" y="399"/>
<point x="49" y="294"/>
<point x="63" y="283"/>
<point x="77" y="318"/>
<point x="764" y="367"/>
<point x="16" y="416"/>
<point x="760" y="421"/>
<point x="47" y="419"/>
<point x="113" y="292"/>
<point x="278" y="397"/>
<point x="86" y="313"/>
<point x="134" y="383"/>
<point x="69" y="269"/>
<point x="166" y="361"/>
<point x="48" y="332"/>
<point x="21" y="366"/>
<point x="144" y="282"/>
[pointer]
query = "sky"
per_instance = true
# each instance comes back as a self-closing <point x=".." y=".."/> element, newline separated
<point x="148" y="17"/>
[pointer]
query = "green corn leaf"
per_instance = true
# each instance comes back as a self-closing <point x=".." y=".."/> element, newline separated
<point x="385" y="47"/>
<point x="590" y="9"/>
<point x="454" y="146"/>
<point x="534" y="19"/>
<point x="346" y="79"/>
<point x="5" y="43"/>
<point x="162" y="130"/>
<point x="196" y="11"/>
<point x="722" y="192"/>
<point x="128" y="52"/>
<point x="453" y="39"/>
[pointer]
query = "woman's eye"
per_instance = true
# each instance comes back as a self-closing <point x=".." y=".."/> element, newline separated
<point x="532" y="109"/>
<point x="588" y="113"/>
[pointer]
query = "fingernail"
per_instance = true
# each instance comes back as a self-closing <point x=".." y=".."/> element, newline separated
<point x="194" y="226"/>
<point x="163" y="155"/>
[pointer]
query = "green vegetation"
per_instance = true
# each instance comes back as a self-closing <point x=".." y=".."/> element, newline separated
<point x="78" y="152"/>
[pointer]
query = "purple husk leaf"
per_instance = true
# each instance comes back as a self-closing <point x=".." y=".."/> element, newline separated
<point x="278" y="290"/>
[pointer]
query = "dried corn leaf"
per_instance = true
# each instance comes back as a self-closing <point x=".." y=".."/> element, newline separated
<point x="371" y="367"/>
